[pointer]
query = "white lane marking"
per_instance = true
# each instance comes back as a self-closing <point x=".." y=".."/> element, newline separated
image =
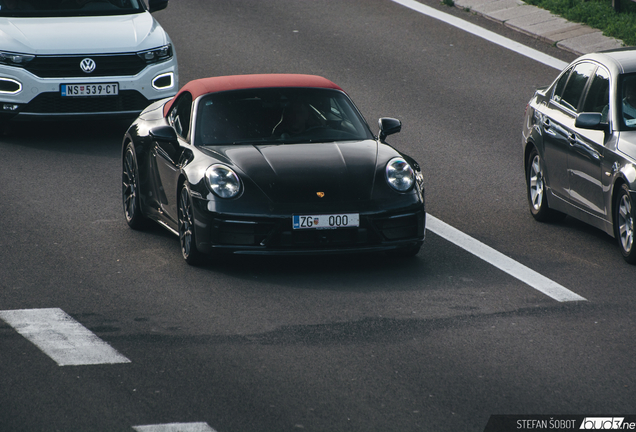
<point x="62" y="338"/>
<point x="175" y="427"/>
<point x="488" y="254"/>
<point x="501" y="261"/>
<point x="483" y="33"/>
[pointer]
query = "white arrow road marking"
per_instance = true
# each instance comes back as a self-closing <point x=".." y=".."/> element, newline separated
<point x="175" y="427"/>
<point x="484" y="34"/>
<point x="501" y="261"/>
<point x="62" y="338"/>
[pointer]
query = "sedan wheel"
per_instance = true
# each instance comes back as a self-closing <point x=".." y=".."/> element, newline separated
<point x="624" y="224"/>
<point x="186" y="229"/>
<point x="535" y="182"/>
<point x="130" y="190"/>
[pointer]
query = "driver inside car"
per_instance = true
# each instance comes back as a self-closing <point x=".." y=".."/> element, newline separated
<point x="629" y="102"/>
<point x="298" y="118"/>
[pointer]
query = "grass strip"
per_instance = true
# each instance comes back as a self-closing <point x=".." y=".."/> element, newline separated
<point x="599" y="14"/>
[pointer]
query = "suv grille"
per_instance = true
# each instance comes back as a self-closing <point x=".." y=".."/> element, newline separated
<point x="48" y="103"/>
<point x="69" y="66"/>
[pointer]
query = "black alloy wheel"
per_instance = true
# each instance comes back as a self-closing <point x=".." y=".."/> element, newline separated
<point x="624" y="224"/>
<point x="130" y="190"/>
<point x="187" y="238"/>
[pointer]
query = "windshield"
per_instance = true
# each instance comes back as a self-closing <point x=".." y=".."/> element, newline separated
<point x="278" y="115"/>
<point x="68" y="8"/>
<point x="628" y="101"/>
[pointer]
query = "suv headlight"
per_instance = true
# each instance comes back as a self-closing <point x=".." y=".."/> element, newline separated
<point x="223" y="181"/>
<point x="156" y="55"/>
<point x="399" y="174"/>
<point x="15" y="59"/>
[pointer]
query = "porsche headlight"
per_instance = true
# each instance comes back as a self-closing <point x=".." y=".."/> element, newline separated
<point x="399" y="174"/>
<point x="223" y="181"/>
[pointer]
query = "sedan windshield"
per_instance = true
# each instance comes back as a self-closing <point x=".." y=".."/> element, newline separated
<point x="278" y="115"/>
<point x="628" y="101"/>
<point x="68" y="8"/>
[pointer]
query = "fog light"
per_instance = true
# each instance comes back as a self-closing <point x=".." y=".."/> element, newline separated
<point x="9" y="86"/>
<point x="163" y="81"/>
<point x="10" y="107"/>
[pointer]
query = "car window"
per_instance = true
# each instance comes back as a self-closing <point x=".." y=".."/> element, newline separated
<point x="278" y="115"/>
<point x="597" y="99"/>
<point x="179" y="115"/>
<point x="576" y="82"/>
<point x="57" y="8"/>
<point x="560" y="85"/>
<point x="628" y="100"/>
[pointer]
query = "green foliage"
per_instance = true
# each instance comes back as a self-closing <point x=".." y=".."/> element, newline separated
<point x="598" y="14"/>
<point x="450" y="3"/>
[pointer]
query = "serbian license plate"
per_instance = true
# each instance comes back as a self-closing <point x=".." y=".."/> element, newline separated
<point x="326" y="221"/>
<point x="111" y="89"/>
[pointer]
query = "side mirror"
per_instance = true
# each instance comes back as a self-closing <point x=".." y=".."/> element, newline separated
<point x="163" y="133"/>
<point x="590" y="120"/>
<point x="166" y="138"/>
<point x="157" y="5"/>
<point x="388" y="126"/>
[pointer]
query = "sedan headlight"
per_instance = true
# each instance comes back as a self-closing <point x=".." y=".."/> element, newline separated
<point x="399" y="174"/>
<point x="157" y="54"/>
<point x="15" y="59"/>
<point x="223" y="181"/>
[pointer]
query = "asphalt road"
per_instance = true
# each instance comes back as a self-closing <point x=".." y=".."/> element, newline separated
<point x="353" y="343"/>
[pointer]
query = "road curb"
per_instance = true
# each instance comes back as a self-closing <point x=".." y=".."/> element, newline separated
<point x="542" y="24"/>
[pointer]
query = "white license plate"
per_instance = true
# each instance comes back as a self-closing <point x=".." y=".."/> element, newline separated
<point x="326" y="221"/>
<point x="90" y="89"/>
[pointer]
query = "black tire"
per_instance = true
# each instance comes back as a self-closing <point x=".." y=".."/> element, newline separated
<point x="187" y="239"/>
<point x="536" y="189"/>
<point x="130" y="190"/>
<point x="624" y="224"/>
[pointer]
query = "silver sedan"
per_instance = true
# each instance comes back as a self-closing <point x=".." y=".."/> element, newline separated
<point x="579" y="144"/>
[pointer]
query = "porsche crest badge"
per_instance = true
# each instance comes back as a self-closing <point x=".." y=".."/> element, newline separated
<point x="320" y="194"/>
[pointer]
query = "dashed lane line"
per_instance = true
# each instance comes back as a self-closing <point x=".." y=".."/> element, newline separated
<point x="175" y="427"/>
<point x="62" y="338"/>
<point x="501" y="261"/>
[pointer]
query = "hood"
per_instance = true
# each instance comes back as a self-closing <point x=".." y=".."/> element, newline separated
<point x="81" y="35"/>
<point x="343" y="171"/>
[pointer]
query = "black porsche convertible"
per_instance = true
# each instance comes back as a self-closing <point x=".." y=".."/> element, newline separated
<point x="270" y="164"/>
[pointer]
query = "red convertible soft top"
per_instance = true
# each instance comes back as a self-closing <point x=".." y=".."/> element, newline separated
<point x="238" y="82"/>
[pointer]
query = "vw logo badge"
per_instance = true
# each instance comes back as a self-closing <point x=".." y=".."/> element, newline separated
<point x="88" y="65"/>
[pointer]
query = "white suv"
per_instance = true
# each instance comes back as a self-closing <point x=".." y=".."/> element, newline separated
<point x="70" y="58"/>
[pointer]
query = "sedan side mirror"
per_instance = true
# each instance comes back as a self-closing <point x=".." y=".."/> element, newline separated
<point x="388" y="126"/>
<point x="590" y="120"/>
<point x="157" y="5"/>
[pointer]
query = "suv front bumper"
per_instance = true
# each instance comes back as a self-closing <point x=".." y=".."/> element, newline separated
<point x="24" y="95"/>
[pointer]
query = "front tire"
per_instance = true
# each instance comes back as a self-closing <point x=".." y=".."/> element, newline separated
<point x="130" y="190"/>
<point x="537" y="192"/>
<point x="624" y="224"/>
<point x="187" y="238"/>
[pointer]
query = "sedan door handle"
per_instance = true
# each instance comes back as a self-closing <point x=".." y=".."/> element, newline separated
<point x="572" y="139"/>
